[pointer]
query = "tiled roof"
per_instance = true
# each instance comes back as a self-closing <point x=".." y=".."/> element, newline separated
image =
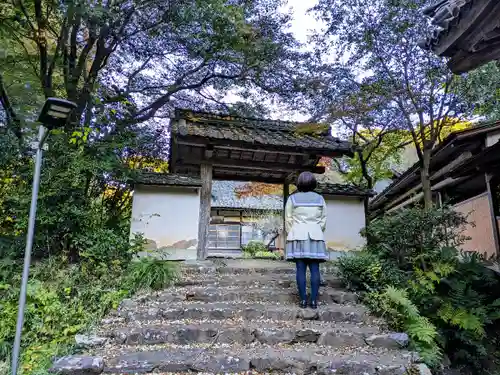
<point x="254" y="131"/>
<point x="343" y="189"/>
<point x="223" y="192"/>
<point x="223" y="196"/>
<point x="167" y="179"/>
<point x="444" y="15"/>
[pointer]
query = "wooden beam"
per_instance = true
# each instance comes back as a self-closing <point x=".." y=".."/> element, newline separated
<point x="451" y="165"/>
<point x="261" y="150"/>
<point x="402" y="197"/>
<point x="416" y="198"/>
<point x="447" y="182"/>
<point x="439" y="173"/>
<point x="239" y="164"/>
<point x="491" y="202"/>
<point x="232" y="144"/>
<point x="235" y="177"/>
<point x="204" y="214"/>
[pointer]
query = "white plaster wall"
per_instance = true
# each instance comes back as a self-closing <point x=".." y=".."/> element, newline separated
<point x="168" y="218"/>
<point x="345" y="219"/>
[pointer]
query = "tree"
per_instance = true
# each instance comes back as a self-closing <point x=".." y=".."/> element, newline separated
<point x="269" y="223"/>
<point x="361" y="113"/>
<point x="380" y="39"/>
<point x="377" y="159"/>
<point x="256" y="189"/>
<point x="482" y="88"/>
<point x="126" y="64"/>
<point x="147" y="56"/>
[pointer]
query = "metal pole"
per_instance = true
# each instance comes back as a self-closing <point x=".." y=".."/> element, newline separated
<point x="27" y="252"/>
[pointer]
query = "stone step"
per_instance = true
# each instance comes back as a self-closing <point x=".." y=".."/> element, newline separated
<point x="242" y="311"/>
<point x="265" y="359"/>
<point x="269" y="332"/>
<point x="276" y="281"/>
<point x="265" y="295"/>
<point x="245" y="267"/>
<point x="241" y="294"/>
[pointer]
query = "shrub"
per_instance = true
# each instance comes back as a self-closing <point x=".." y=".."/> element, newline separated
<point x="415" y="235"/>
<point x="418" y="280"/>
<point x="367" y="272"/>
<point x="151" y="273"/>
<point x="253" y="247"/>
<point x="267" y="255"/>
<point x="62" y="300"/>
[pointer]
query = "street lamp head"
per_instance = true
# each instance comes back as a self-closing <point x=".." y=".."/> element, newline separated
<point x="56" y="112"/>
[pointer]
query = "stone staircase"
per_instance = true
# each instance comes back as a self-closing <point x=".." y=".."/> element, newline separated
<point x="240" y="318"/>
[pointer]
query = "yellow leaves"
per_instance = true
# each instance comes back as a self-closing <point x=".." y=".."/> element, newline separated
<point x="147" y="163"/>
<point x="191" y="118"/>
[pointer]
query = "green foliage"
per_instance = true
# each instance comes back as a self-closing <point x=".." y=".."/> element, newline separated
<point x="365" y="271"/>
<point x="381" y="153"/>
<point x="253" y="247"/>
<point x="151" y="273"/>
<point x="482" y="88"/>
<point x="413" y="275"/>
<point x="403" y="314"/>
<point x="62" y="300"/>
<point x="267" y="255"/>
<point x="416" y="236"/>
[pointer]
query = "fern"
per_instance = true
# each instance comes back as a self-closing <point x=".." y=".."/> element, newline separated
<point x="461" y="319"/>
<point x="422" y="332"/>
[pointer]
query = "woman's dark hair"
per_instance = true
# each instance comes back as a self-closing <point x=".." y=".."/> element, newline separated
<point x="306" y="182"/>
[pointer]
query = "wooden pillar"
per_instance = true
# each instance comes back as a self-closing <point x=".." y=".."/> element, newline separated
<point x="204" y="215"/>
<point x="491" y="204"/>
<point x="286" y="194"/>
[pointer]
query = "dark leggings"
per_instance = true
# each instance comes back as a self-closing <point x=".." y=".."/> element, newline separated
<point x="301" y="278"/>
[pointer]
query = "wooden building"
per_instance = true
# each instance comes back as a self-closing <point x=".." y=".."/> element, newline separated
<point x="464" y="175"/>
<point x="215" y="147"/>
<point x="465" y="31"/>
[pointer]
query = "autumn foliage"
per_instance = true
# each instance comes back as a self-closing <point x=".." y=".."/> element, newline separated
<point x="257" y="189"/>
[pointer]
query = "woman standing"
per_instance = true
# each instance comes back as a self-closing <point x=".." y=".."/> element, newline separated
<point x="305" y="222"/>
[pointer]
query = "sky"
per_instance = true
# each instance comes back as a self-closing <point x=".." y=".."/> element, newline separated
<point x="303" y="23"/>
<point x="301" y="26"/>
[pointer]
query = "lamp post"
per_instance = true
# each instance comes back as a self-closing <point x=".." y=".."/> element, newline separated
<point x="55" y="113"/>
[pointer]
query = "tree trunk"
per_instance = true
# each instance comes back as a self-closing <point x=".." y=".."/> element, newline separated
<point x="369" y="184"/>
<point x="425" y="178"/>
<point x="367" y="215"/>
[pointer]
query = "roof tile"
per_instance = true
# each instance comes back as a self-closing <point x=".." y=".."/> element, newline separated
<point x="166" y="179"/>
<point x="444" y="14"/>
<point x="255" y="131"/>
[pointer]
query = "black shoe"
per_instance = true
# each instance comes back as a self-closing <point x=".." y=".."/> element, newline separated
<point x="303" y="304"/>
<point x="322" y="283"/>
<point x="314" y="305"/>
